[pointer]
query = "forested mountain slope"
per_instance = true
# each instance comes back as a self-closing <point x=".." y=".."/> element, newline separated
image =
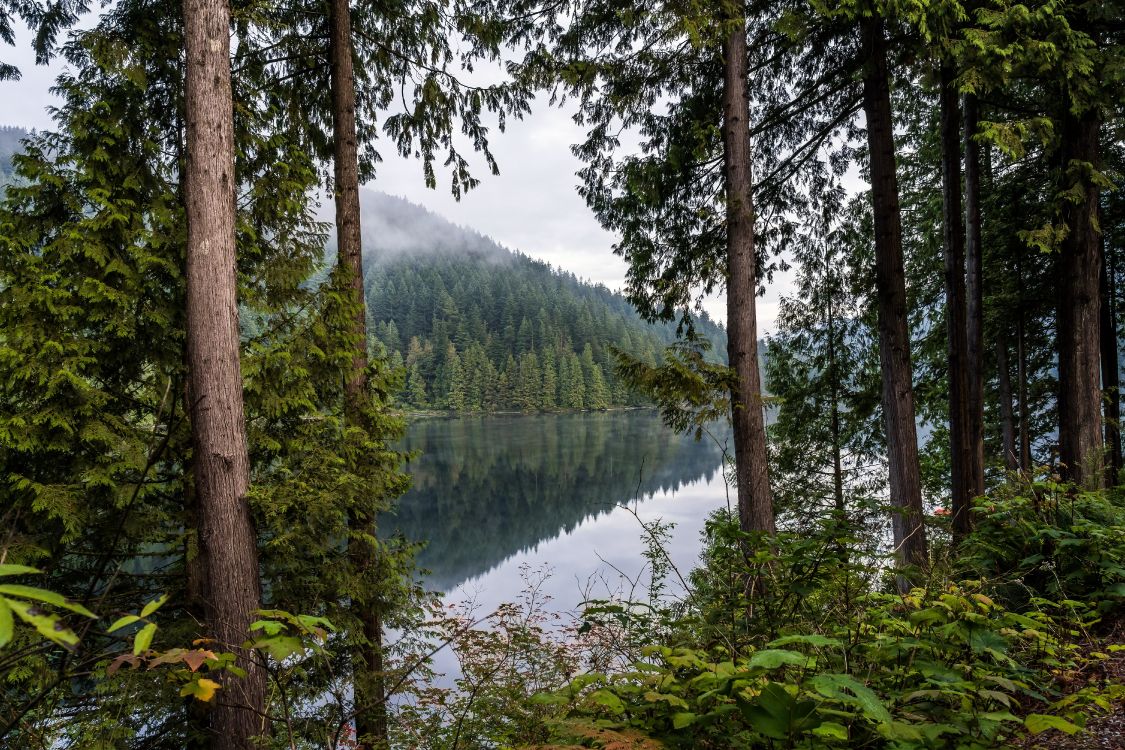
<point x="482" y="328"/>
<point x="9" y="144"/>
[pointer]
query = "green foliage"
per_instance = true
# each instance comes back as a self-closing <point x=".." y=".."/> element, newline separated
<point x="25" y="603"/>
<point x="1046" y="540"/>
<point x="774" y="648"/>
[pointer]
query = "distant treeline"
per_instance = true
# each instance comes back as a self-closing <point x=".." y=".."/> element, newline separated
<point x="480" y="328"/>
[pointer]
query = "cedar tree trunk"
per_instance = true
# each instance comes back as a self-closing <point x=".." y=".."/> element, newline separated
<point x="755" y="500"/>
<point x="890" y="286"/>
<point x="1079" y="324"/>
<point x="954" y="245"/>
<point x="974" y="365"/>
<point x="220" y="462"/>
<point x="1111" y="380"/>
<point x="368" y="666"/>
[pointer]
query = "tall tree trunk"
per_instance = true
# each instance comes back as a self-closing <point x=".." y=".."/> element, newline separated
<point x="1021" y="396"/>
<point x="890" y="287"/>
<point x="1111" y="380"/>
<point x="834" y="395"/>
<point x="1007" y="420"/>
<point x="1079" y="324"/>
<point x="755" y="499"/>
<point x="219" y="459"/>
<point x="954" y="243"/>
<point x="974" y="288"/>
<point x="370" y="697"/>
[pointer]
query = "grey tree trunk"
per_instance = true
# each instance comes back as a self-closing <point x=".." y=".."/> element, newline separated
<point x="890" y="287"/>
<point x="220" y="461"/>
<point x="974" y="288"/>
<point x="1079" y="324"/>
<point x="368" y="664"/>
<point x="755" y="499"/>
<point x="955" y="308"/>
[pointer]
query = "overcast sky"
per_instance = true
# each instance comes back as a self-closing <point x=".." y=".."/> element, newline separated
<point x="531" y="206"/>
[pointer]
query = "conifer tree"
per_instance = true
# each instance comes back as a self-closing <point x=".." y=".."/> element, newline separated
<point x="220" y="462"/>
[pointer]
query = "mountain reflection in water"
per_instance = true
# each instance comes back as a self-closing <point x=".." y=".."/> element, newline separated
<point x="490" y="489"/>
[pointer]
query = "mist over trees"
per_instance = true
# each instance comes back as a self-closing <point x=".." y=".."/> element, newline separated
<point x="480" y="328"/>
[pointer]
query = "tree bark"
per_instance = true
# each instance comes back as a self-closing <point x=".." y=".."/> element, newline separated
<point x="974" y="288"/>
<point x="755" y="499"/>
<point x="1111" y="379"/>
<point x="1007" y="420"/>
<point x="219" y="459"/>
<point x="1021" y="396"/>
<point x="890" y="286"/>
<point x="369" y="684"/>
<point x="955" y="308"/>
<point x="1079" y="324"/>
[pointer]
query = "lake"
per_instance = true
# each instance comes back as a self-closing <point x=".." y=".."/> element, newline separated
<point x="496" y="495"/>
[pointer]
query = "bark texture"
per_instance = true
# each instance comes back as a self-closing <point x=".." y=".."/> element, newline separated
<point x="755" y="499"/>
<point x="1007" y="419"/>
<point x="953" y="230"/>
<point x="1079" y="324"/>
<point x="974" y="289"/>
<point x="368" y="665"/>
<point x="890" y="286"/>
<point x="220" y="462"/>
<point x="1111" y="377"/>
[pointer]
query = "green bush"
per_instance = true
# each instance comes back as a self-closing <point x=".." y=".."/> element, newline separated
<point x="1045" y="540"/>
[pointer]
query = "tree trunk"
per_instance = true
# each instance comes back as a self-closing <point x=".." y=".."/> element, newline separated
<point x="974" y="289"/>
<point x="1007" y="421"/>
<point x="1110" y="376"/>
<point x="954" y="244"/>
<point x="370" y="697"/>
<point x="755" y="500"/>
<point x="1111" y="382"/>
<point x="1021" y="396"/>
<point x="890" y="285"/>
<point x="220" y="461"/>
<point x="834" y="394"/>
<point x="1079" y="324"/>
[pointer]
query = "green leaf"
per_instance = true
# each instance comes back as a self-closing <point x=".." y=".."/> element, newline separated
<point x="774" y="658"/>
<point x="48" y="597"/>
<point x="7" y="625"/>
<point x="683" y="719"/>
<point x="280" y="647"/>
<point x="817" y="641"/>
<point x="847" y="689"/>
<point x="832" y="730"/>
<point x="7" y="569"/>
<point x="154" y="605"/>
<point x="48" y="625"/>
<point x="609" y="700"/>
<point x="143" y="639"/>
<point x="1037" y="723"/>
<point x="122" y="622"/>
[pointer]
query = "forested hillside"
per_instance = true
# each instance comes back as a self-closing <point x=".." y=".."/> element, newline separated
<point x="9" y="144"/>
<point x="481" y="328"/>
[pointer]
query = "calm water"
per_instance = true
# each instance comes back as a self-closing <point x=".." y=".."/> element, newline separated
<point x="495" y="494"/>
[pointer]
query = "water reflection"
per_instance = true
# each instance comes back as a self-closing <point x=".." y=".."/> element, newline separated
<point x="488" y="489"/>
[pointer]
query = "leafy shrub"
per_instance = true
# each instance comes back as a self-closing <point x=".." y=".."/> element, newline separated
<point x="947" y="669"/>
<point x="1049" y="541"/>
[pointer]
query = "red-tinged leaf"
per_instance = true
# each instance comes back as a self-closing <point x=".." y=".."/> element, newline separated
<point x="121" y="660"/>
<point x="195" y="659"/>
